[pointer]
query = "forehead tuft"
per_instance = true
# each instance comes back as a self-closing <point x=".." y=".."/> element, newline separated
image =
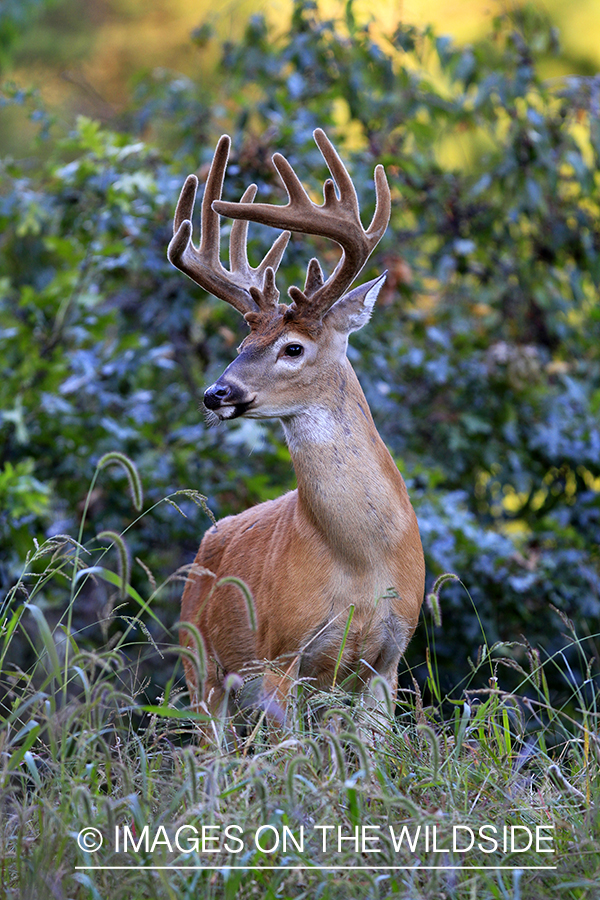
<point x="267" y="326"/>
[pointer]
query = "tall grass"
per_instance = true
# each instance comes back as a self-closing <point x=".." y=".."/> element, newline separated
<point x="315" y="810"/>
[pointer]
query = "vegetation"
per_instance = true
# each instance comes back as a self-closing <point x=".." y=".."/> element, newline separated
<point x="481" y="366"/>
<point x="103" y="794"/>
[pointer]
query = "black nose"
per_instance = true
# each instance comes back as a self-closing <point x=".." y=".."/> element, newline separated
<point x="216" y="395"/>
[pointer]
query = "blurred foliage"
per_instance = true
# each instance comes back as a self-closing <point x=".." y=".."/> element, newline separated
<point x="15" y="17"/>
<point x="481" y="365"/>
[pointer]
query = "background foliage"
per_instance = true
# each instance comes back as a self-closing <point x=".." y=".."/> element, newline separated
<point x="481" y="364"/>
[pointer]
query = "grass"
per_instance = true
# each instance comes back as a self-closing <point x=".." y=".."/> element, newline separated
<point x="355" y="803"/>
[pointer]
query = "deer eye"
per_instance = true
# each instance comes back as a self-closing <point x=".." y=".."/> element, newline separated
<point x="294" y="350"/>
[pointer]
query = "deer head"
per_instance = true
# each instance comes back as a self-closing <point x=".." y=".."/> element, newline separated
<point x="294" y="351"/>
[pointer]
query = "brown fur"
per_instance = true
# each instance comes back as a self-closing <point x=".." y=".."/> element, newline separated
<point x="267" y="327"/>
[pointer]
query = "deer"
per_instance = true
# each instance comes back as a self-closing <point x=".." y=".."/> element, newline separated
<point x="335" y="567"/>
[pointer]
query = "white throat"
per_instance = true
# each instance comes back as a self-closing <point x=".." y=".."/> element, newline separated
<point x="314" y="426"/>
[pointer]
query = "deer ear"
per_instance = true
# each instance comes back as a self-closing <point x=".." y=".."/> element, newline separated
<point x="354" y="309"/>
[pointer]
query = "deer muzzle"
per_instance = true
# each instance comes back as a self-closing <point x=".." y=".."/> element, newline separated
<point x="227" y="400"/>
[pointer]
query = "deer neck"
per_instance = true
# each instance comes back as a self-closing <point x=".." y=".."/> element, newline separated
<point x="348" y="485"/>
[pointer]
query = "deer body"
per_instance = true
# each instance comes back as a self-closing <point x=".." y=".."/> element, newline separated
<point x="345" y="544"/>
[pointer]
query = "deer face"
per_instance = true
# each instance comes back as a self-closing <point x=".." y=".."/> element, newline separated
<point x="270" y="379"/>
<point x="282" y="370"/>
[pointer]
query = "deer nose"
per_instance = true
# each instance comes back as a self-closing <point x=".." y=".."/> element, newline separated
<point x="216" y="395"/>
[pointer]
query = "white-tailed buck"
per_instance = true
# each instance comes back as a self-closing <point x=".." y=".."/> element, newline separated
<point x="344" y="547"/>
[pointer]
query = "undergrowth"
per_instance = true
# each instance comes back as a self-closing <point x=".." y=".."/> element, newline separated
<point x="493" y="795"/>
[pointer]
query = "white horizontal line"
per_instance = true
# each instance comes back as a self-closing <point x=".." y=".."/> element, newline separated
<point x="319" y="868"/>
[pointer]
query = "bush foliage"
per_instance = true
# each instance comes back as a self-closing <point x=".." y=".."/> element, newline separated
<point x="481" y="364"/>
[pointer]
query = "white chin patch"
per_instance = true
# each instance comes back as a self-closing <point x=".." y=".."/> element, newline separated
<point x="226" y="412"/>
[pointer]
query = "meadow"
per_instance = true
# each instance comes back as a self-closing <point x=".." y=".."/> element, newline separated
<point x="109" y="791"/>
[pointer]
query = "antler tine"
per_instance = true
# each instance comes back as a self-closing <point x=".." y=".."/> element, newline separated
<point x="262" y="289"/>
<point x="340" y="174"/>
<point x="383" y="197"/>
<point x="337" y="218"/>
<point x="202" y="264"/>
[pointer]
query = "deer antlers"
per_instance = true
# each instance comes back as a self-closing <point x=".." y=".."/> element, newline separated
<point x="337" y="218"/>
<point x="245" y="288"/>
